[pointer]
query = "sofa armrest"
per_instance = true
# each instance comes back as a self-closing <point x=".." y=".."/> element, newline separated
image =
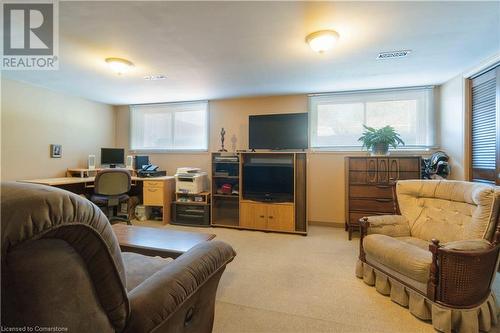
<point x="453" y="263"/>
<point x="389" y="225"/>
<point x="182" y="293"/>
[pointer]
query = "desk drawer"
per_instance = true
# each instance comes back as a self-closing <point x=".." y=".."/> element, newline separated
<point x="153" y="183"/>
<point x="152" y="196"/>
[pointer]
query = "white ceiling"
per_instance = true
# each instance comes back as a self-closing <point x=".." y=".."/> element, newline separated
<point x="213" y="50"/>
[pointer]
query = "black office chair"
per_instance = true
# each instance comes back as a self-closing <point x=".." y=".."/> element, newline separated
<point x="110" y="191"/>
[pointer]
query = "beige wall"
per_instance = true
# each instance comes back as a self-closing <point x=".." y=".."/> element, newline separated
<point x="455" y="129"/>
<point x="452" y="125"/>
<point x="326" y="200"/>
<point x="32" y="118"/>
<point x="37" y="117"/>
<point x="232" y="114"/>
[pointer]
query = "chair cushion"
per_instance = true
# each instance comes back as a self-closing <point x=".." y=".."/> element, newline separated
<point x="401" y="256"/>
<point x="138" y="267"/>
<point x="424" y="245"/>
<point x="101" y="200"/>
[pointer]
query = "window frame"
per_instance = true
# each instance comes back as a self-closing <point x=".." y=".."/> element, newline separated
<point x="348" y="97"/>
<point x="169" y="150"/>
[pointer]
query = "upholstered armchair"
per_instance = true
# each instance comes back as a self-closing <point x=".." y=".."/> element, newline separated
<point x="62" y="268"/>
<point x="440" y="256"/>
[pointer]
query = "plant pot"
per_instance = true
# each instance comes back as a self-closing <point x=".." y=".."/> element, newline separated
<point x="380" y="149"/>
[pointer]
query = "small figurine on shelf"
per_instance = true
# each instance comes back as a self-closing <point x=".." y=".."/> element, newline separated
<point x="233" y="142"/>
<point x="222" y="134"/>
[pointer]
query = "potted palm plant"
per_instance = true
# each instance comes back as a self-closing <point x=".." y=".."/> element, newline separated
<point x="379" y="140"/>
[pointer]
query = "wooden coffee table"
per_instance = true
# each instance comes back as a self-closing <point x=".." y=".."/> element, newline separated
<point x="157" y="241"/>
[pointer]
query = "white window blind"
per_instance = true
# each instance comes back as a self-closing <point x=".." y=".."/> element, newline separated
<point x="484" y="127"/>
<point x="336" y="120"/>
<point x="169" y="126"/>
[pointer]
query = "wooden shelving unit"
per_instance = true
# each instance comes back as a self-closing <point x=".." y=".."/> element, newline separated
<point x="225" y="206"/>
<point x="235" y="211"/>
<point x="227" y="195"/>
<point x="191" y="209"/>
<point x="190" y="198"/>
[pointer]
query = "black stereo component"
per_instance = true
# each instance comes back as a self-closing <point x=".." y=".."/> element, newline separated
<point x="146" y="174"/>
<point x="193" y="215"/>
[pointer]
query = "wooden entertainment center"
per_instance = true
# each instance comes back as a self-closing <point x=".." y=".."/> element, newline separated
<point x="230" y="207"/>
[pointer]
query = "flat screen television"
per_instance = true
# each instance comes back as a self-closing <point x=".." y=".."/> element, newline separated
<point x="278" y="131"/>
<point x="112" y="156"/>
<point x="268" y="179"/>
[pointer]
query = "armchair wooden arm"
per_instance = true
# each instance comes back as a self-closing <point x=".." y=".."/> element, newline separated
<point x="364" y="224"/>
<point x="459" y="278"/>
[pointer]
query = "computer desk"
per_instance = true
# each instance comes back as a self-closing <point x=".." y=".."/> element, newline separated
<point x="155" y="191"/>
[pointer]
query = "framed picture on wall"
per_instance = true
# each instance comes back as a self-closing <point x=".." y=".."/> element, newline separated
<point x="55" y="151"/>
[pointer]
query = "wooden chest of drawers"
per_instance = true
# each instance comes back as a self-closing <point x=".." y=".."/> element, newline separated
<point x="370" y="182"/>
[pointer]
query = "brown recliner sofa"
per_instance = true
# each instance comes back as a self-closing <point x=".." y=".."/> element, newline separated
<point x="62" y="269"/>
<point x="440" y="256"/>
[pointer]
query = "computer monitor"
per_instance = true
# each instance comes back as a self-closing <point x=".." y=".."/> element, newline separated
<point x="140" y="161"/>
<point x="112" y="156"/>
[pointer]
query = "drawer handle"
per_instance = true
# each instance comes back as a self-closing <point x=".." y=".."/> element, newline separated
<point x="152" y="189"/>
<point x="262" y="216"/>
<point x="383" y="186"/>
<point x="188" y="216"/>
<point x="194" y="211"/>
<point x="383" y="200"/>
<point x="270" y="217"/>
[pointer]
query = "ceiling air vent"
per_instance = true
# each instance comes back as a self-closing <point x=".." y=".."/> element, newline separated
<point x="393" y="54"/>
<point x="155" y="77"/>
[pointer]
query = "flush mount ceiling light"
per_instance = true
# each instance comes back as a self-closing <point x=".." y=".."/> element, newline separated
<point x="322" y="41"/>
<point x="119" y="65"/>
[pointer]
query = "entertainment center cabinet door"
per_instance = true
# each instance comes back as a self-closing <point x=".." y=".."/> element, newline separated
<point x="280" y="217"/>
<point x="253" y="215"/>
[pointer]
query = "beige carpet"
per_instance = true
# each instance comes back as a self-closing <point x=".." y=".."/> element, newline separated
<point x="289" y="283"/>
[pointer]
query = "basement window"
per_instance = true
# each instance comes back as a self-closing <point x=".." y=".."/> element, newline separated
<point x="337" y="119"/>
<point x="167" y="127"/>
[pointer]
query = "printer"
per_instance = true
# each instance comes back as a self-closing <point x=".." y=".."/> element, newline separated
<point x="190" y="180"/>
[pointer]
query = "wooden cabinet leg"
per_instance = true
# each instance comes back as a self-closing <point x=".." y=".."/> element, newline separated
<point x="350" y="231"/>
